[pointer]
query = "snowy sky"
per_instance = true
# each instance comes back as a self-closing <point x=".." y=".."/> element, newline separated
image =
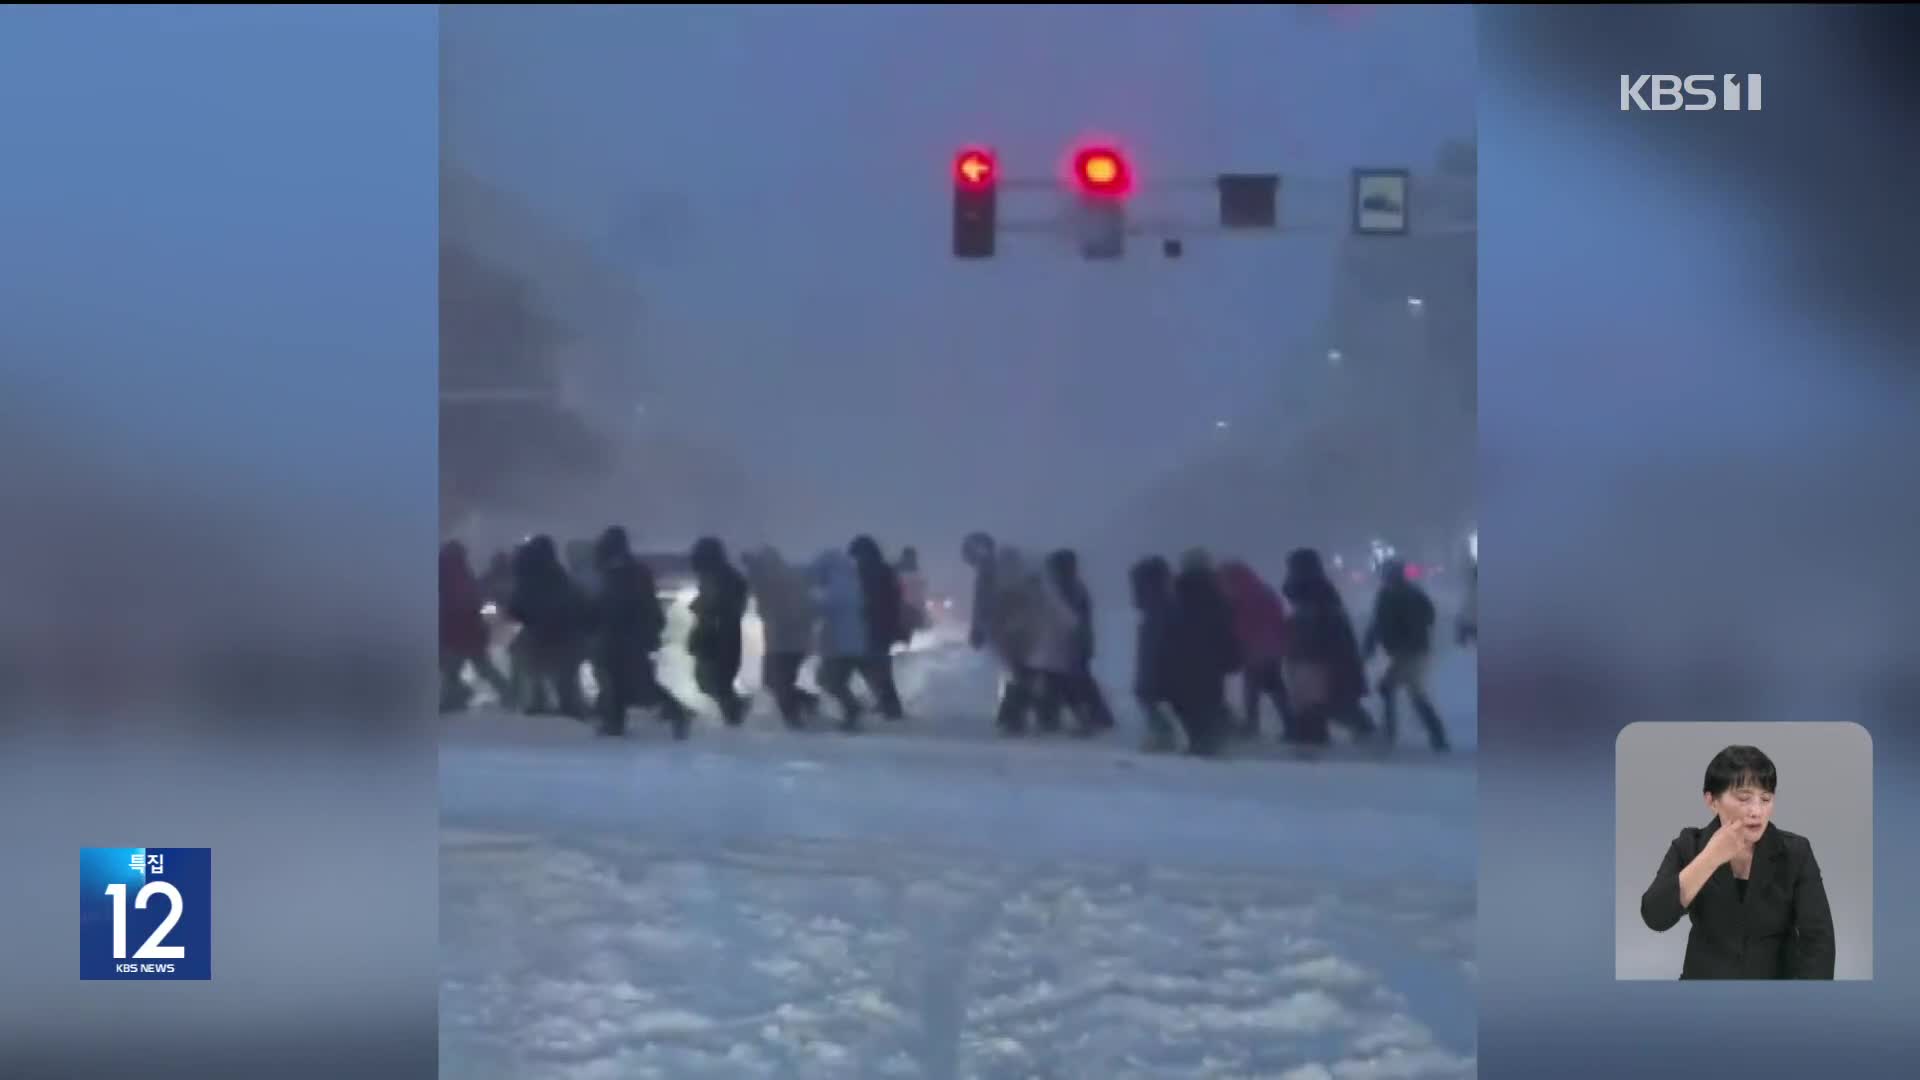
<point x="778" y="180"/>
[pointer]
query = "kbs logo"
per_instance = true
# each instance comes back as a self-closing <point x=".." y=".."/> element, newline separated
<point x="1693" y="93"/>
<point x="153" y="899"/>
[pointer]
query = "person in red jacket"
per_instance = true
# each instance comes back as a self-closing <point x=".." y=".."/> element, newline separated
<point x="464" y="638"/>
<point x="1260" y="622"/>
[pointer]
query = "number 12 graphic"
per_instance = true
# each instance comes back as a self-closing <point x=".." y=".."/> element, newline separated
<point x="146" y="914"/>
<point x="152" y="950"/>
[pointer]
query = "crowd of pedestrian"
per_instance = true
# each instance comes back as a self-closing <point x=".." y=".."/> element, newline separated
<point x="1198" y="627"/>
<point x="602" y="612"/>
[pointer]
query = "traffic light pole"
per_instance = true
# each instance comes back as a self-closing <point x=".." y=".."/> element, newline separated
<point x="1102" y="209"/>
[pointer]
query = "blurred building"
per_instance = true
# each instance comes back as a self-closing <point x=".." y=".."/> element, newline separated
<point x="1371" y="428"/>
<point x="550" y="420"/>
<point x="597" y="360"/>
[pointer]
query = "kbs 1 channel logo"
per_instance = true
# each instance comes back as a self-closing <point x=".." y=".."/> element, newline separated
<point x="145" y="913"/>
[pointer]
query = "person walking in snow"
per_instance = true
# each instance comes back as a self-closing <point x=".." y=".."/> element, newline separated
<point x="886" y="624"/>
<point x="629" y="628"/>
<point x="1079" y="690"/>
<point x="1006" y="614"/>
<point x="464" y="637"/>
<point x="1054" y="655"/>
<point x="553" y="619"/>
<point x="1260" y="625"/>
<point x="715" y="642"/>
<point x="1324" y="671"/>
<point x="1153" y="654"/>
<point x="784" y="599"/>
<point x="1402" y="626"/>
<point x="842" y="609"/>
<point x="1205" y="652"/>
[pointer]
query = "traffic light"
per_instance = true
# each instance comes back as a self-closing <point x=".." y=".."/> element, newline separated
<point x="1102" y="172"/>
<point x="1249" y="200"/>
<point x="976" y="195"/>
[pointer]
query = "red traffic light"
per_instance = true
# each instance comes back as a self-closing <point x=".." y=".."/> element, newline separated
<point x="974" y="169"/>
<point x="1102" y="171"/>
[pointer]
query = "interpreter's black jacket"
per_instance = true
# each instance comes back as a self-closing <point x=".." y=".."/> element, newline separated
<point x="1783" y="929"/>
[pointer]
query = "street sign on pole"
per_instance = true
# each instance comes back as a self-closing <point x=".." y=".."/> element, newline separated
<point x="1380" y="202"/>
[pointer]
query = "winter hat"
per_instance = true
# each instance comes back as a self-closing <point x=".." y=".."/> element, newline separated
<point x="977" y="548"/>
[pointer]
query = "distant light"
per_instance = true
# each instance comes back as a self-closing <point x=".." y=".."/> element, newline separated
<point x="1102" y="171"/>
<point x="1220" y="424"/>
<point x="1334" y="356"/>
<point x="1414" y="304"/>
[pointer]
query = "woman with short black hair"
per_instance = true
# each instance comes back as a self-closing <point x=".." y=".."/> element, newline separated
<point x="1752" y="889"/>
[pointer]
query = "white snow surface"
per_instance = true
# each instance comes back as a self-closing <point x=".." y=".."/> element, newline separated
<point x="928" y="900"/>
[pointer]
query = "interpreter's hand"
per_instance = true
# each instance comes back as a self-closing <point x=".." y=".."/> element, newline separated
<point x="1730" y="841"/>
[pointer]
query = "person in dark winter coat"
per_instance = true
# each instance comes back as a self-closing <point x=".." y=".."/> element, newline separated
<point x="1402" y="626"/>
<point x="1260" y="623"/>
<point x="1079" y="690"/>
<point x="464" y="638"/>
<point x="886" y="624"/>
<point x="628" y="630"/>
<point x="554" y="622"/>
<point x="715" y="641"/>
<point x="1325" y="674"/>
<point x="1153" y="654"/>
<point x="1205" y="652"/>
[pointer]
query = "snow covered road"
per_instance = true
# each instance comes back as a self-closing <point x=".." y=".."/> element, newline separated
<point x="926" y="903"/>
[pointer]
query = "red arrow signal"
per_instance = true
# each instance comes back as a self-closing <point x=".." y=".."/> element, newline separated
<point x="974" y="168"/>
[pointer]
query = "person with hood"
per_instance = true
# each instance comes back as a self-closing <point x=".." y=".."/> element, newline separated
<point x="1153" y="656"/>
<point x="1006" y="615"/>
<point x="1323" y="669"/>
<point x="628" y="630"/>
<point x="464" y="638"/>
<point x="1260" y="625"/>
<point x="783" y="597"/>
<point x="553" y="617"/>
<point x="842" y="608"/>
<point x="1205" y="652"/>
<point x="1402" y="625"/>
<point x="715" y="642"/>
<point x="1079" y="689"/>
<point x="886" y="624"/>
<point x="913" y="591"/>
